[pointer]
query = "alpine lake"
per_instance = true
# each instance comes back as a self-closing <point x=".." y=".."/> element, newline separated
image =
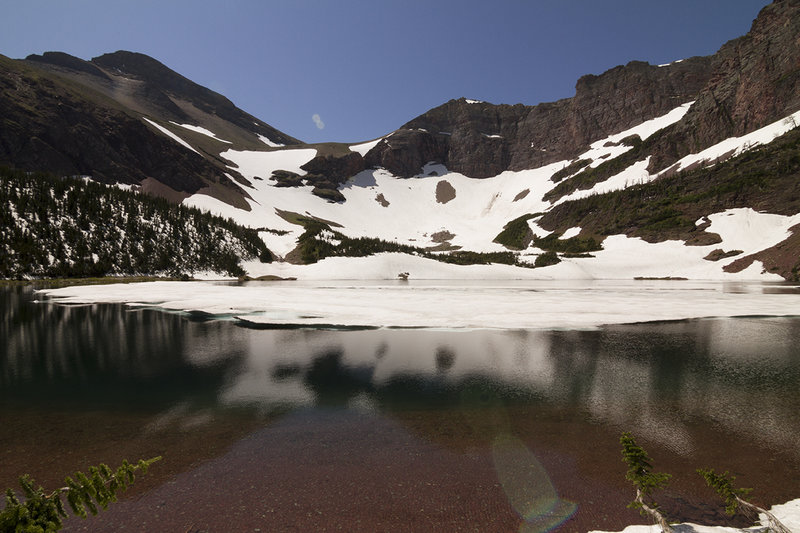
<point x="305" y="429"/>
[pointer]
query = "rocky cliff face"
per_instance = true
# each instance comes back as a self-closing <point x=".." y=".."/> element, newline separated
<point x="481" y="140"/>
<point x="750" y="82"/>
<point x="754" y="80"/>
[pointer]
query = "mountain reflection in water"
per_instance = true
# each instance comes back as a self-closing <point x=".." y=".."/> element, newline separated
<point x="675" y="383"/>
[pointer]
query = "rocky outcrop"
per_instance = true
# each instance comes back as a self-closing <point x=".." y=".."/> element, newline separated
<point x="481" y="140"/>
<point x="754" y="80"/>
<point x="327" y="172"/>
<point x="47" y="126"/>
<point x="406" y="151"/>
<point x="750" y="82"/>
<point x="68" y="62"/>
<point x="335" y="168"/>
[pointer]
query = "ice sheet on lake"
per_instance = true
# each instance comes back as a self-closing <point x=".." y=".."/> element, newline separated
<point x="460" y="305"/>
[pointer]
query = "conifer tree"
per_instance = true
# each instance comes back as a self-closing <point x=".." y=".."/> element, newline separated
<point x="43" y="512"/>
<point x="734" y="499"/>
<point x="644" y="479"/>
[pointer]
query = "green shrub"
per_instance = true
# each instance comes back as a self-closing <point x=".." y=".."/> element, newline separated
<point x="569" y="170"/>
<point x="546" y="259"/>
<point x="573" y="245"/>
<point x="516" y="235"/>
<point x="65" y="227"/>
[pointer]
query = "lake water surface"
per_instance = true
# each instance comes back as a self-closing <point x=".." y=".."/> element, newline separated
<point x="393" y="429"/>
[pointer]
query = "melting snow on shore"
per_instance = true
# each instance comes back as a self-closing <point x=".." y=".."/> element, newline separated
<point x="788" y="514"/>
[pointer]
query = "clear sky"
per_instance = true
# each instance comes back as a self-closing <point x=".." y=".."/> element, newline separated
<point x="353" y="70"/>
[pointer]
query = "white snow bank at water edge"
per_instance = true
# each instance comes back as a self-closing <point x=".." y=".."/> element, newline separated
<point x="740" y="229"/>
<point x="788" y="513"/>
<point x="463" y="305"/>
<point x="750" y="231"/>
<point x="622" y="257"/>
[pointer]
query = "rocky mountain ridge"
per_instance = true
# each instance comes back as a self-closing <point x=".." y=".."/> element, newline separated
<point x="531" y="181"/>
<point x="481" y="140"/>
<point x="61" y="114"/>
<point x="751" y="81"/>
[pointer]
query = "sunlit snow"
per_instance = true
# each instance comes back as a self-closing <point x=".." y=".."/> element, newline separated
<point x="672" y="63"/>
<point x="505" y="305"/>
<point x="363" y="148"/>
<point x="571" y="232"/>
<point x="751" y="231"/>
<point x="379" y="204"/>
<point x="637" y="173"/>
<point x="253" y="164"/>
<point x="199" y="129"/>
<point x="734" y="146"/>
<point x="788" y="513"/>
<point x="171" y="135"/>
<point x="633" y="175"/>
<point x="269" y="142"/>
<point x="610" y="147"/>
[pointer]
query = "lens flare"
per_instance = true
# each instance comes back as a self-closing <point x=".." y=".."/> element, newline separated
<point x="528" y="487"/>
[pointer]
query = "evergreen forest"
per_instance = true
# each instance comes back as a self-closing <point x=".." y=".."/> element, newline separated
<point x="74" y="227"/>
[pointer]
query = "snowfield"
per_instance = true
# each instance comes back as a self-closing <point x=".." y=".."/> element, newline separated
<point x="616" y="285"/>
<point x="269" y="142"/>
<point x="381" y="205"/>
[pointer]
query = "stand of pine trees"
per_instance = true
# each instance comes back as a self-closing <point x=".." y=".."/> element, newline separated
<point x="72" y="227"/>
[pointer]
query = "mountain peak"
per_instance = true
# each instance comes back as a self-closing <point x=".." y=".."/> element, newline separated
<point x="63" y="60"/>
<point x="145" y="68"/>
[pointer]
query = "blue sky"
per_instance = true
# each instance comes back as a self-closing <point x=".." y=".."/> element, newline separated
<point x="353" y="70"/>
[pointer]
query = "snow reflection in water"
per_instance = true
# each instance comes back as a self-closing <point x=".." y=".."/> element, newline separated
<point x="736" y="378"/>
<point x="739" y="373"/>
